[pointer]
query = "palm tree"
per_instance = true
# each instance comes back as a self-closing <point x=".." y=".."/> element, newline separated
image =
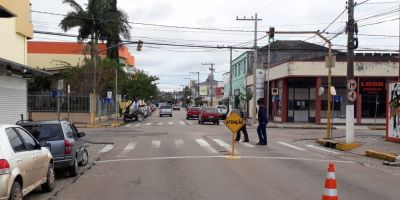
<point x="100" y="20"/>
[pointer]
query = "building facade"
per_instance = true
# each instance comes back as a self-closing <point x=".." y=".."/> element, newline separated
<point x="240" y="70"/>
<point x="16" y="29"/>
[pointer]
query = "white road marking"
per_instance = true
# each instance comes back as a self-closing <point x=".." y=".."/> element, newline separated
<point x="128" y="125"/>
<point x="170" y="123"/>
<point x="246" y="144"/>
<point x="148" y="124"/>
<point x="159" y="123"/>
<point x="224" y="144"/>
<point x="205" y="145"/>
<point x="225" y="157"/>
<point x="189" y="122"/>
<point x="182" y="123"/>
<point x="322" y="149"/>
<point x="156" y="144"/>
<point x="291" y="146"/>
<point x="138" y="125"/>
<point x="131" y="146"/>
<point x="179" y="142"/>
<point x="106" y="148"/>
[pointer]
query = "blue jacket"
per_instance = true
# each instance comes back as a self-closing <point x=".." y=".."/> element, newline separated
<point x="262" y="115"/>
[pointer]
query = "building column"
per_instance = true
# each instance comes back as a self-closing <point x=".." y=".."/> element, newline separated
<point x="284" y="116"/>
<point x="317" y="101"/>
<point x="359" y="103"/>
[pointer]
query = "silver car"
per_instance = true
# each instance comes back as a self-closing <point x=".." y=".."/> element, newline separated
<point x="165" y="110"/>
<point x="24" y="163"/>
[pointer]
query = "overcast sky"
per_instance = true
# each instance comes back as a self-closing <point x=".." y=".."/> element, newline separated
<point x="173" y="64"/>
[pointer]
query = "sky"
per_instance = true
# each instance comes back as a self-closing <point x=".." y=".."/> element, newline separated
<point x="378" y="22"/>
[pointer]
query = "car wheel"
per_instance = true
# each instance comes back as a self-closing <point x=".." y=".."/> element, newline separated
<point x="140" y="117"/>
<point x="201" y="122"/>
<point x="16" y="191"/>
<point x="198" y="121"/>
<point x="170" y="115"/>
<point x="187" y="118"/>
<point x="73" y="170"/>
<point x="85" y="158"/>
<point x="217" y="122"/>
<point x="50" y="183"/>
<point x="160" y="115"/>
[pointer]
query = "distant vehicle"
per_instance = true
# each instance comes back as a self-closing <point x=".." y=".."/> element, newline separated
<point x="67" y="147"/>
<point x="165" y="110"/>
<point x="222" y="110"/>
<point x="25" y="164"/>
<point x="176" y="107"/>
<point x="193" y="112"/>
<point x="209" y="115"/>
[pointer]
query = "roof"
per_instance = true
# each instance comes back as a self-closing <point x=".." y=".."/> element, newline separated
<point x="4" y="13"/>
<point x="13" y="66"/>
<point x="59" y="47"/>
<point x="294" y="45"/>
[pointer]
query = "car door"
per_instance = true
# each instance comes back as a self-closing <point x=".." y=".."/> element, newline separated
<point x="22" y="156"/>
<point x="69" y="133"/>
<point x="40" y="163"/>
<point x="80" y="144"/>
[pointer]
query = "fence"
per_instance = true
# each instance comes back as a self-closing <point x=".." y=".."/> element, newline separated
<point x="77" y="104"/>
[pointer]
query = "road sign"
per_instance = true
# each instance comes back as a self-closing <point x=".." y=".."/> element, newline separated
<point x="60" y="84"/>
<point x="333" y="91"/>
<point x="337" y="98"/>
<point x="351" y="95"/>
<point x="234" y="122"/>
<point x="69" y="89"/>
<point x="109" y="95"/>
<point x="274" y="91"/>
<point x="351" y="84"/>
<point x="107" y="101"/>
<point x="54" y="93"/>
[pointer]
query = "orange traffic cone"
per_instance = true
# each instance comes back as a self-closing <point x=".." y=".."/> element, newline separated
<point x="330" y="192"/>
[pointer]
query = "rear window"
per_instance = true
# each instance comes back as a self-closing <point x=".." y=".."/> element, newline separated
<point x="211" y="110"/>
<point x="46" y="132"/>
<point x="221" y="107"/>
<point x="194" y="109"/>
<point x="165" y="107"/>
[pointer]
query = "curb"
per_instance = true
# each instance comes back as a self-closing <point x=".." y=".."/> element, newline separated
<point x="391" y="157"/>
<point x="338" y="145"/>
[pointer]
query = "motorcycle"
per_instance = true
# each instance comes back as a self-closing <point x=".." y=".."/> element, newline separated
<point x="136" y="115"/>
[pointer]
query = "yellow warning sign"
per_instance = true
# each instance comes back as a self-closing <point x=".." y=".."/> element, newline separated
<point x="234" y="122"/>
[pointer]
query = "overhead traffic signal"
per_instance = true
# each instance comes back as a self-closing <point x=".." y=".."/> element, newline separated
<point x="271" y="34"/>
<point x="139" y="45"/>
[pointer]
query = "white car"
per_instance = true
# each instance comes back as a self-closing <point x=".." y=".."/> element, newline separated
<point x="165" y="110"/>
<point x="222" y="110"/>
<point x="24" y="164"/>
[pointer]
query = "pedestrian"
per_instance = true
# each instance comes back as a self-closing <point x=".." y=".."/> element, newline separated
<point x="262" y="123"/>
<point x="243" y="114"/>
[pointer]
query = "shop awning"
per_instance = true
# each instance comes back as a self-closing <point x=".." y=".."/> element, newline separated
<point x="8" y="66"/>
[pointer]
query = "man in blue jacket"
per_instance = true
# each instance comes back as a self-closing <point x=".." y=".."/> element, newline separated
<point x="262" y="123"/>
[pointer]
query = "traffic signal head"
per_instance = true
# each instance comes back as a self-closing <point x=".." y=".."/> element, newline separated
<point x="271" y="34"/>
<point x="139" y="45"/>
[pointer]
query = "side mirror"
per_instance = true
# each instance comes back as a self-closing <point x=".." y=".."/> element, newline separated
<point x="44" y="144"/>
<point x="81" y="134"/>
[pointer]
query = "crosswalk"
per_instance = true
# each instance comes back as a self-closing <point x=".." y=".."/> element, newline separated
<point x="213" y="146"/>
<point x="181" y="122"/>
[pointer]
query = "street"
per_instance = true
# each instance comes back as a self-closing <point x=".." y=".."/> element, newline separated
<point x="175" y="158"/>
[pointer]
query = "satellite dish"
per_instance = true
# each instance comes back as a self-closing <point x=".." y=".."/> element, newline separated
<point x="321" y="91"/>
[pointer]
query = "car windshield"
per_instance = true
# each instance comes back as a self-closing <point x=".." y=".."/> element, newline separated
<point x="165" y="107"/>
<point x="46" y="132"/>
<point x="211" y="110"/>
<point x="194" y="109"/>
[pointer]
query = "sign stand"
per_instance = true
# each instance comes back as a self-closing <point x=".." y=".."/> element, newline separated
<point x="234" y="122"/>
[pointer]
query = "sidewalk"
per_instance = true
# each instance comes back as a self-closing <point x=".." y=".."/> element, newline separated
<point x="322" y="126"/>
<point x="102" y="124"/>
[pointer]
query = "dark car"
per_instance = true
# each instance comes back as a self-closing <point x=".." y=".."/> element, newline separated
<point x="193" y="112"/>
<point x="66" y="144"/>
<point x="209" y="115"/>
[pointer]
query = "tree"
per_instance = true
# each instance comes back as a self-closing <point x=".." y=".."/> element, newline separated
<point x="141" y="86"/>
<point x="100" y="20"/>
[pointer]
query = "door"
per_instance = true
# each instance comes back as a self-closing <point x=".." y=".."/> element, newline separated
<point x="40" y="163"/>
<point x="13" y="98"/>
<point x="23" y="157"/>
<point x="80" y="144"/>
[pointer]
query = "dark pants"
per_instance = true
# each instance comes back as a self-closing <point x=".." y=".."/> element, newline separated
<point x="262" y="133"/>
<point x="244" y="130"/>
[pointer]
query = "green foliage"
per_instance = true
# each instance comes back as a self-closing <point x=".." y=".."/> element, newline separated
<point x="141" y="86"/>
<point x="247" y="96"/>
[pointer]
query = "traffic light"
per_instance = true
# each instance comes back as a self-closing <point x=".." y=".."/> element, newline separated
<point x="271" y="34"/>
<point x="139" y="45"/>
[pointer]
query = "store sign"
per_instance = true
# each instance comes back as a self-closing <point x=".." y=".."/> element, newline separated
<point x="393" y="112"/>
<point x="368" y="87"/>
<point x="203" y="90"/>
<point x="219" y="91"/>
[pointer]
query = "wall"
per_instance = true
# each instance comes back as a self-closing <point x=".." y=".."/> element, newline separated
<point x="21" y="9"/>
<point x="49" y="61"/>
<point x="13" y="45"/>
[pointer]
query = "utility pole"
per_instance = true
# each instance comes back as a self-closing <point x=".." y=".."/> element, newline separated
<point x="231" y="102"/>
<point x="116" y="98"/>
<point x="255" y="19"/>
<point x="198" y="84"/>
<point x="350" y="73"/>
<point x="211" y="68"/>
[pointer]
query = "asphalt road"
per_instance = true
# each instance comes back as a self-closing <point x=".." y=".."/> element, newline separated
<point x="174" y="158"/>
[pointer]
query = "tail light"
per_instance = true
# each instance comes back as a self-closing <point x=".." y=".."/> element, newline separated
<point x="4" y="167"/>
<point x="68" y="147"/>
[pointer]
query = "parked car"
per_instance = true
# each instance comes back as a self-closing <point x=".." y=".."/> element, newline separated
<point x="222" y="110"/>
<point x="25" y="164"/>
<point x="193" y="112"/>
<point x="165" y="110"/>
<point x="67" y="146"/>
<point x="176" y="107"/>
<point x="209" y="115"/>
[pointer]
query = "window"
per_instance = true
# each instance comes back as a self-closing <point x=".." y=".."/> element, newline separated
<point x="46" y="132"/>
<point x="15" y="140"/>
<point x="236" y="70"/>
<point x="67" y="129"/>
<point x="29" y="141"/>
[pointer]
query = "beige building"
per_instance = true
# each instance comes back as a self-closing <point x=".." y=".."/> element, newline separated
<point x="16" y="29"/>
